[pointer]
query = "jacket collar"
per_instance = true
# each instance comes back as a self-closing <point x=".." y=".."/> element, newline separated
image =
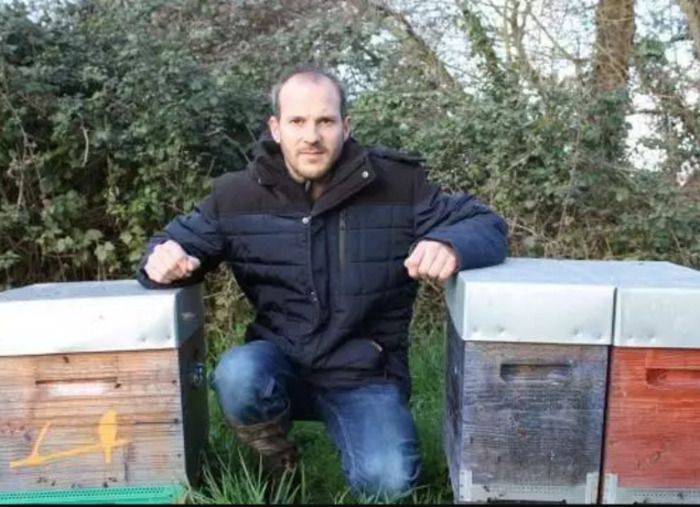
<point x="268" y="164"/>
<point x="351" y="172"/>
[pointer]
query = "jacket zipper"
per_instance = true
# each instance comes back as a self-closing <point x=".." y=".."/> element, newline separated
<point x="341" y="241"/>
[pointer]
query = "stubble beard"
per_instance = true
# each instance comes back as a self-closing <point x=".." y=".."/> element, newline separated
<point x="315" y="172"/>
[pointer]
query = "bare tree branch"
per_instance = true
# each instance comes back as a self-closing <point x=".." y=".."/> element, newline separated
<point x="673" y="103"/>
<point x="572" y="58"/>
<point x="401" y="27"/>
<point x="517" y="32"/>
<point x="482" y="44"/>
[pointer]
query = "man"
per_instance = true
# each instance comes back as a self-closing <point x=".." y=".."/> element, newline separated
<point x="326" y="238"/>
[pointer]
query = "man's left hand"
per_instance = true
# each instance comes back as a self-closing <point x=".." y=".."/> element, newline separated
<point x="431" y="259"/>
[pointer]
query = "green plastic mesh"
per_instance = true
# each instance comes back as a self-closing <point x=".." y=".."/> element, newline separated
<point x="123" y="495"/>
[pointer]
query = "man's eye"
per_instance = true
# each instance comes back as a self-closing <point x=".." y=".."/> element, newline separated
<point x="326" y="121"/>
<point x="296" y="121"/>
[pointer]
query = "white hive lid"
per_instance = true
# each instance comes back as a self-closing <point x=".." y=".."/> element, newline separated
<point x="52" y="318"/>
<point x="627" y="303"/>
<point x="657" y="305"/>
<point x="534" y="301"/>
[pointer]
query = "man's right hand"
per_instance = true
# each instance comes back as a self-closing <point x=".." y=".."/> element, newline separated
<point x="169" y="262"/>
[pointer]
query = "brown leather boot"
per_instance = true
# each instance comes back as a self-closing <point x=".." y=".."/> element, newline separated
<point x="269" y="440"/>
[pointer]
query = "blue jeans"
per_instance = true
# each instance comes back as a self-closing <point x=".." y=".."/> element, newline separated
<point x="371" y="425"/>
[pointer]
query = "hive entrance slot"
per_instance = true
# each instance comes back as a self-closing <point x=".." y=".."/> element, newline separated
<point x="535" y="372"/>
<point x="77" y="387"/>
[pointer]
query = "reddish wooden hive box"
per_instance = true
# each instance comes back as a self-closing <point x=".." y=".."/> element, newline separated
<point x="652" y="443"/>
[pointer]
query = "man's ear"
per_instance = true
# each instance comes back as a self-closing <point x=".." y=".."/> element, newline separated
<point x="346" y="128"/>
<point x="274" y="126"/>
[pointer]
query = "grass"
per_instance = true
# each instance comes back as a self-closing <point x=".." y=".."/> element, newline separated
<point x="232" y="475"/>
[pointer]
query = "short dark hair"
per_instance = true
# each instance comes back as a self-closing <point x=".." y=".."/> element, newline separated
<point x="310" y="70"/>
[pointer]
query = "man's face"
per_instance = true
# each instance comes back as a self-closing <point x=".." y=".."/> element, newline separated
<point x="309" y="130"/>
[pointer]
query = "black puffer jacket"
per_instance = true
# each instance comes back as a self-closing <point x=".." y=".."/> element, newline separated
<point x="327" y="278"/>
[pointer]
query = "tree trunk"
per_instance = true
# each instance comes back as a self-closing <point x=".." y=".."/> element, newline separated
<point x="691" y="9"/>
<point x="613" y="46"/>
<point x="609" y="101"/>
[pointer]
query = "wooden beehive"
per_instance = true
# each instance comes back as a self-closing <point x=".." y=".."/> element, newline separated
<point x="103" y="392"/>
<point x="528" y="346"/>
<point x="653" y="420"/>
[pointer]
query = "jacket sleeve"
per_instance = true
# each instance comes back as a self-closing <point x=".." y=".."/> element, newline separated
<point x="477" y="234"/>
<point x="199" y="235"/>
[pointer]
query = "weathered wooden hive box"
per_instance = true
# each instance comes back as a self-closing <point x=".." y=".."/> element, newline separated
<point x="528" y="345"/>
<point x="652" y="435"/>
<point x="103" y="392"/>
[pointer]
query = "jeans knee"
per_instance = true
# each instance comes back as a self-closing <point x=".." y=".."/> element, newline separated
<point x="385" y="475"/>
<point x="240" y="382"/>
<point x="236" y="369"/>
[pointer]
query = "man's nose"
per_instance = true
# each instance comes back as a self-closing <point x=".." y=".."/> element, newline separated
<point x="311" y="134"/>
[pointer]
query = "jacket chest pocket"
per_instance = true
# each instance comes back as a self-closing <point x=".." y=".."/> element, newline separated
<point x="373" y="242"/>
<point x="342" y="235"/>
<point x="269" y="247"/>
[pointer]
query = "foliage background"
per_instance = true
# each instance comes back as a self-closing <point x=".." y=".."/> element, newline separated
<point x="116" y="114"/>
